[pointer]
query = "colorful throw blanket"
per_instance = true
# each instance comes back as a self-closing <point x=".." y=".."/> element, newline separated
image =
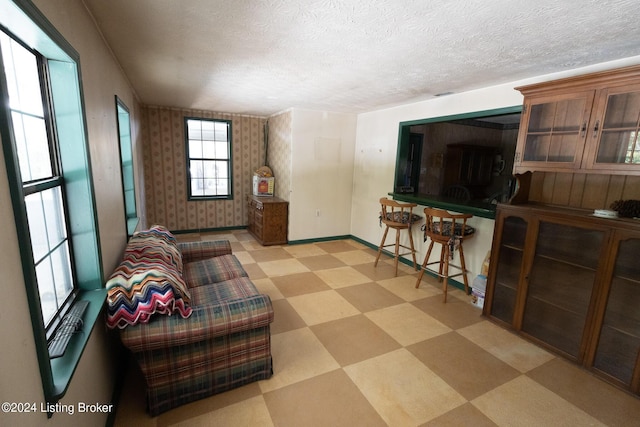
<point x="148" y="280"/>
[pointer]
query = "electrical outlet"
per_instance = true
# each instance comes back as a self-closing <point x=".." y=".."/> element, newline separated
<point x="317" y="212"/>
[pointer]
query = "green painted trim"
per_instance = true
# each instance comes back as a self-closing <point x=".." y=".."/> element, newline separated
<point x="28" y="24"/>
<point x="64" y="367"/>
<point x="483" y="210"/>
<point x="319" y="240"/>
<point x="474" y="114"/>
<point x="207" y="230"/>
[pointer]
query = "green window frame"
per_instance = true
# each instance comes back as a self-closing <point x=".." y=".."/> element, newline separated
<point x="126" y="162"/>
<point x="209" y="158"/>
<point x="69" y="177"/>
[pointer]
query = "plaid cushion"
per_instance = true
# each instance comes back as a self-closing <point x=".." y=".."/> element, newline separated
<point x="213" y="270"/>
<point x="446" y="231"/>
<point x="206" y="321"/>
<point x="402" y="217"/>
<point x="195" y="251"/>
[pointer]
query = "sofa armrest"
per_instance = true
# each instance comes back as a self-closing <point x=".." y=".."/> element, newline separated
<point x="206" y="322"/>
<point x="196" y="251"/>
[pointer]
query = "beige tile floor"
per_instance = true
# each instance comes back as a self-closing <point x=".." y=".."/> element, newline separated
<point x="355" y="346"/>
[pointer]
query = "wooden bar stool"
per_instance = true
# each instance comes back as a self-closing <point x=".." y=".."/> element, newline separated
<point x="449" y="230"/>
<point x="398" y="216"/>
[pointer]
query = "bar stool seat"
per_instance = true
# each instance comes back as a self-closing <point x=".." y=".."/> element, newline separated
<point x="398" y="216"/>
<point x="450" y="231"/>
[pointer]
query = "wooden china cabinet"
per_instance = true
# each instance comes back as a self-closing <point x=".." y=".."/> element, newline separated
<point x="560" y="276"/>
<point x="587" y="123"/>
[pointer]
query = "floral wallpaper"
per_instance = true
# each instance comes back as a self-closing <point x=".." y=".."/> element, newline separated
<point x="165" y="170"/>
<point x="279" y="156"/>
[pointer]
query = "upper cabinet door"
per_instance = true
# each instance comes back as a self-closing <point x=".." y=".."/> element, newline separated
<point x="553" y="131"/>
<point x="613" y="142"/>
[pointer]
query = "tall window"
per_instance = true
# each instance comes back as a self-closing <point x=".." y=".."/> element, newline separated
<point x="208" y="158"/>
<point x="45" y="150"/>
<point x="40" y="174"/>
<point x="126" y="159"/>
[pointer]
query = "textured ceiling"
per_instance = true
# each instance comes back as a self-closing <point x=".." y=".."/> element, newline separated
<point x="264" y="56"/>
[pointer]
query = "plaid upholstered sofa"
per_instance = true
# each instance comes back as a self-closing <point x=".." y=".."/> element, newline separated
<point x="203" y="335"/>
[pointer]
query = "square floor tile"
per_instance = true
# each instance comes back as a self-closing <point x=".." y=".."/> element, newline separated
<point x="250" y="412"/>
<point x="469" y="369"/>
<point x="299" y="284"/>
<point x="407" y="324"/>
<point x="581" y="388"/>
<point x="282" y="267"/>
<point x="285" y="317"/>
<point x="405" y="287"/>
<point x="321" y="262"/>
<point x="402" y="389"/>
<point x="380" y="272"/>
<point x="266" y="286"/>
<point x="354" y="339"/>
<point x="335" y="246"/>
<point x="304" y="250"/>
<point x="330" y="399"/>
<point x="369" y="296"/>
<point x="506" y="346"/>
<point x="270" y="254"/>
<point x="356" y="257"/>
<point x="322" y="307"/>
<point x="524" y="402"/>
<point x="297" y="355"/>
<point x="455" y="313"/>
<point x="341" y="277"/>
<point x="464" y="415"/>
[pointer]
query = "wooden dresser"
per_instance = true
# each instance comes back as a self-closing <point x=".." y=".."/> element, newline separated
<point x="268" y="219"/>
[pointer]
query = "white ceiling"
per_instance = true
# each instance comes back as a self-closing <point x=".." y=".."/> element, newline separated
<point x="261" y="57"/>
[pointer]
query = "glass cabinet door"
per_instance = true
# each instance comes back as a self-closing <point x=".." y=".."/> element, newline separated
<point x="509" y="266"/>
<point x="556" y="130"/>
<point x="619" y="342"/>
<point x="615" y="132"/>
<point x="560" y="285"/>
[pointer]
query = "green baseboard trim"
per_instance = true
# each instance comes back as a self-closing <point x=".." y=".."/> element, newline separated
<point x="206" y="230"/>
<point x="319" y="240"/>
<point x="405" y="261"/>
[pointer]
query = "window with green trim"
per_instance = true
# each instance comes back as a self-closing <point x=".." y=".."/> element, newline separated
<point x="208" y="144"/>
<point x="44" y="142"/>
<point x="40" y="175"/>
<point x="126" y="159"/>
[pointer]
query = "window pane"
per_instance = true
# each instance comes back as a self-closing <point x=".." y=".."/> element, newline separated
<point x="37" y="225"/>
<point x="33" y="147"/>
<point x="194" y="129"/>
<point x="196" y="168"/>
<point x="60" y="261"/>
<point x="46" y="288"/>
<point x="222" y="150"/>
<point x="207" y="130"/>
<point x="221" y="132"/>
<point x="195" y="149"/>
<point x="22" y="77"/>
<point x="209" y="150"/>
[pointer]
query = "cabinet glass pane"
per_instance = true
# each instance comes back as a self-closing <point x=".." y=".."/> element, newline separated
<point x="509" y="265"/>
<point x="619" y="343"/>
<point x="561" y="116"/>
<point x="569" y="244"/>
<point x="537" y="148"/>
<point x="560" y="284"/>
<point x="563" y="148"/>
<point x="619" y="147"/>
<point x="622" y="110"/>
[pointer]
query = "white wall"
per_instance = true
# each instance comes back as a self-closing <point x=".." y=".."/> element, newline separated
<point x="322" y="155"/>
<point x="375" y="156"/>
